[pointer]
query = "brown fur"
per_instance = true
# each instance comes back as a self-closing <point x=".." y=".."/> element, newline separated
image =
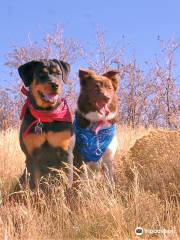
<point x="106" y="87"/>
<point x="97" y="89"/>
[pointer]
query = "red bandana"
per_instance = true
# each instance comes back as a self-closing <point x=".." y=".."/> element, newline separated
<point x="61" y="113"/>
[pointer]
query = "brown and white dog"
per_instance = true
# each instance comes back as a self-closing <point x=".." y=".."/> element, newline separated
<point x="94" y="124"/>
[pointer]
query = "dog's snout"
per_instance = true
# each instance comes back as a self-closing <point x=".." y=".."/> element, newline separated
<point x="106" y="98"/>
<point x="54" y="85"/>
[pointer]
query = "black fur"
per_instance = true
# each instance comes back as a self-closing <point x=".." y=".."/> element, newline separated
<point x="28" y="70"/>
<point x="46" y="156"/>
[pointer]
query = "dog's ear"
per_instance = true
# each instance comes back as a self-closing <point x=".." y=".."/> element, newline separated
<point x="65" y="68"/>
<point x="112" y="74"/>
<point x="26" y="72"/>
<point x="84" y="75"/>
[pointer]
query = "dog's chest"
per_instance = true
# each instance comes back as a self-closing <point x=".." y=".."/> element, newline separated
<point x="53" y="134"/>
<point x="54" y="139"/>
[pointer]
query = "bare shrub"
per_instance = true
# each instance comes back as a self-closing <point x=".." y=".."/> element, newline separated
<point x="166" y="99"/>
<point x="53" y="45"/>
<point x="135" y="90"/>
<point x="8" y="111"/>
<point x="103" y="56"/>
<point x="148" y="98"/>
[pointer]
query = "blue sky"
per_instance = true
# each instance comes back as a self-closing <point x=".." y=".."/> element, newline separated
<point x="140" y="21"/>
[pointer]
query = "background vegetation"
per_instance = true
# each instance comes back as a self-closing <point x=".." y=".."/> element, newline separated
<point x="147" y="163"/>
<point x="148" y="97"/>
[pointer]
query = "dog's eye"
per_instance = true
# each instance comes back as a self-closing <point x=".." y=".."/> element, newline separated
<point x="42" y="74"/>
<point x="57" y="73"/>
<point x="45" y="70"/>
<point x="96" y="87"/>
<point x="107" y="86"/>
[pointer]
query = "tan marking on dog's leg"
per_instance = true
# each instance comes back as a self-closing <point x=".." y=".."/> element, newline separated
<point x="70" y="161"/>
<point x="33" y="141"/>
<point x="59" y="139"/>
<point x="36" y="177"/>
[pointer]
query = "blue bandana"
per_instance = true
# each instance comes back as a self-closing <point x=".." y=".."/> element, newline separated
<point x="90" y="145"/>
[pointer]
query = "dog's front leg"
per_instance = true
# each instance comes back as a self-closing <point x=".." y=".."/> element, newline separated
<point x="34" y="176"/>
<point x="90" y="170"/>
<point x="108" y="168"/>
<point x="27" y="179"/>
<point x="107" y="161"/>
<point x="69" y="171"/>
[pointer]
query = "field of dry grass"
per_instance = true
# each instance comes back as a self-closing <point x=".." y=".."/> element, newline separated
<point x="147" y="194"/>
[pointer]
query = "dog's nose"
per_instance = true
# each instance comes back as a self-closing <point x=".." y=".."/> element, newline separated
<point x="54" y="85"/>
<point x="106" y="98"/>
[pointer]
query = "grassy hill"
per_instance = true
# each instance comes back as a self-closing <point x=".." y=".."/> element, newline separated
<point x="147" y="174"/>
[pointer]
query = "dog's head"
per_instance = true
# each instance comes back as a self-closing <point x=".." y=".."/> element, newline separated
<point x="100" y="90"/>
<point x="44" y="79"/>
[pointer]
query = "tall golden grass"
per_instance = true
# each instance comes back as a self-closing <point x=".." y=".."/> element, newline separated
<point x="147" y="170"/>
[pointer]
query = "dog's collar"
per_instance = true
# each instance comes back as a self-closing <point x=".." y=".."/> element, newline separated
<point x="90" y="144"/>
<point x="97" y="124"/>
<point x="61" y="113"/>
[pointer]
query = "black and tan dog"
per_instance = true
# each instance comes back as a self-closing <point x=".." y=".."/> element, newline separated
<point x="46" y="133"/>
<point x="94" y="124"/>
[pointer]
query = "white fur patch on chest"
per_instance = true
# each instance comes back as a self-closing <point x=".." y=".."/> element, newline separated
<point x="96" y="116"/>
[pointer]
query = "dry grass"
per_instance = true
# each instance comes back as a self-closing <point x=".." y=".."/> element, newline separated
<point x="147" y="195"/>
<point x="11" y="157"/>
